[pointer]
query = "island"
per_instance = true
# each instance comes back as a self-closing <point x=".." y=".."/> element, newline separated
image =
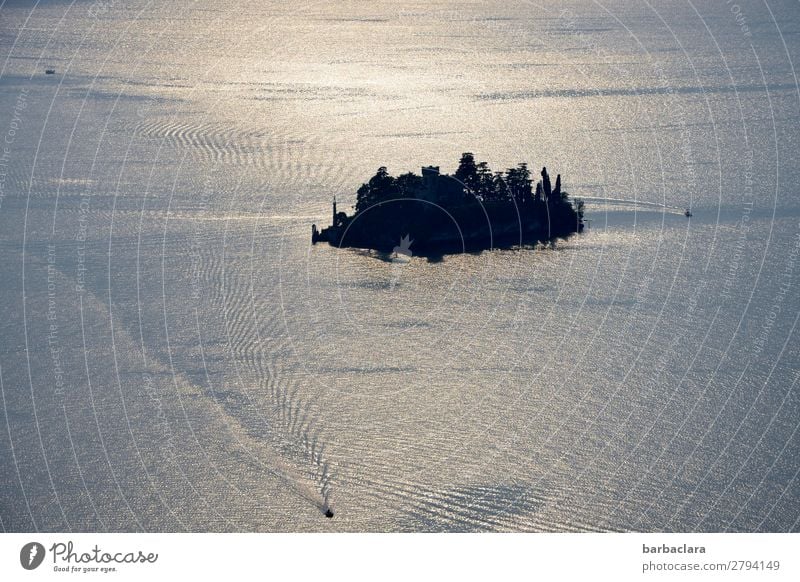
<point x="473" y="209"/>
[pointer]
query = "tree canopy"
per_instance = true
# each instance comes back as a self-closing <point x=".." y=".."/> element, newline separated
<point x="480" y="183"/>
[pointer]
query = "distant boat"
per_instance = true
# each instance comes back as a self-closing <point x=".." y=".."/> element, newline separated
<point x="688" y="213"/>
<point x="50" y="72"/>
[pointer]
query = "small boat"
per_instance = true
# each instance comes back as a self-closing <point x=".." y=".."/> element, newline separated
<point x="688" y="213"/>
<point x="49" y="71"/>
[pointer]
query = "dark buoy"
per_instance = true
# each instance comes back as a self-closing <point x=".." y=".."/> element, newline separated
<point x="329" y="513"/>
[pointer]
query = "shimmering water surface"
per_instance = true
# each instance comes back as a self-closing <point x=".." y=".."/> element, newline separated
<point x="176" y="356"/>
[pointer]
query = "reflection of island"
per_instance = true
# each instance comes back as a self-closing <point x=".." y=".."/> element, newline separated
<point x="474" y="209"/>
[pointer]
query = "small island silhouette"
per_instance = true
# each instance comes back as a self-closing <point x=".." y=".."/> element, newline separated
<point x="472" y="210"/>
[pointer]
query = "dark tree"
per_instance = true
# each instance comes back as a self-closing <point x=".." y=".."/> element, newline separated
<point x="500" y="187"/>
<point x="484" y="182"/>
<point x="519" y="183"/>
<point x="408" y="184"/>
<point x="467" y="172"/>
<point x="381" y="187"/>
<point x="557" y="189"/>
<point x="546" y="185"/>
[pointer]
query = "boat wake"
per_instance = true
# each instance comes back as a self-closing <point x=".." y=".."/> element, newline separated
<point x="636" y="204"/>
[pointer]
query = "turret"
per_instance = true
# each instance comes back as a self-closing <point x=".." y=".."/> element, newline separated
<point x="430" y="183"/>
<point x="429" y="176"/>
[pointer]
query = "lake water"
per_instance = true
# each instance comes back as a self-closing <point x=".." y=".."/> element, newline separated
<point x="177" y="356"/>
